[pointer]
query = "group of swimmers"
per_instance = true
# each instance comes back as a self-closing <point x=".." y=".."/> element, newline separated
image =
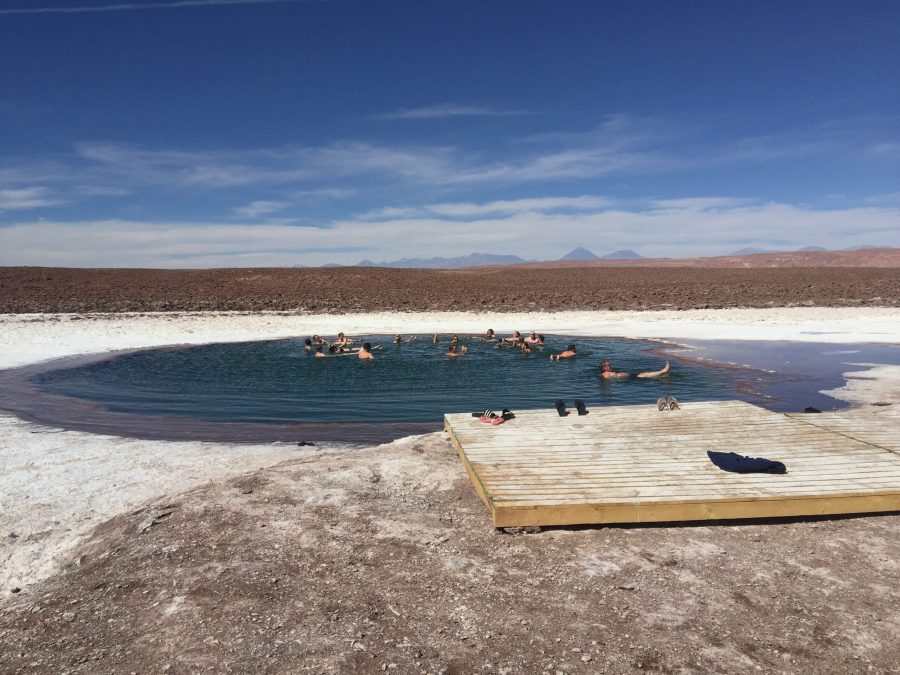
<point x="343" y="346"/>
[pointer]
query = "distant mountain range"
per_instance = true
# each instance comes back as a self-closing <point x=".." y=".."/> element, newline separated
<point x="577" y="254"/>
<point x="753" y="250"/>
<point x="479" y="259"/>
<point x="471" y="260"/>
<point x="624" y="254"/>
<point x="580" y="253"/>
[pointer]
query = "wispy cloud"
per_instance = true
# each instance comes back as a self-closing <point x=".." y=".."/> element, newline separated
<point x="512" y="206"/>
<point x="133" y="6"/>
<point x="442" y="110"/>
<point x="260" y="208"/>
<point x="16" y="199"/>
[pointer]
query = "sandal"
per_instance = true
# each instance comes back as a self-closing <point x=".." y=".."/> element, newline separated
<point x="487" y="416"/>
<point x="661" y="403"/>
<point x="673" y="403"/>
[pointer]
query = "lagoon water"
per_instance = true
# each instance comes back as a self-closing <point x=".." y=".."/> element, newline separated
<point x="278" y="382"/>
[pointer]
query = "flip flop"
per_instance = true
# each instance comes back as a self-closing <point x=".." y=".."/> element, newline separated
<point x="673" y="403"/>
<point x="497" y="420"/>
<point x="507" y="414"/>
<point x="561" y="407"/>
<point x="580" y="407"/>
<point x="661" y="403"/>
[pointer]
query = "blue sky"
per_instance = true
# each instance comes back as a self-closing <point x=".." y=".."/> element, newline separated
<point x="207" y="133"/>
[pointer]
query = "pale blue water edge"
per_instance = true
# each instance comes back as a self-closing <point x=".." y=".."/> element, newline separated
<point x="278" y="382"/>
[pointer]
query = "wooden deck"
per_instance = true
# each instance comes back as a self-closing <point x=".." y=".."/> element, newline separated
<point x="630" y="464"/>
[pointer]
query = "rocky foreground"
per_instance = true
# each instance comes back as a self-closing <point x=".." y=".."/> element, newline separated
<point x="384" y="560"/>
<point x="498" y="289"/>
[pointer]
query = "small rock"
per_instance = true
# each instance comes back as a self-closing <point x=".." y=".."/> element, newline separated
<point x="69" y="616"/>
<point x="587" y="658"/>
<point x="15" y="589"/>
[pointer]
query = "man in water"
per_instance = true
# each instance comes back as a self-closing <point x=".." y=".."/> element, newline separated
<point x="453" y="353"/>
<point x="365" y="352"/>
<point x="607" y="372"/>
<point x="568" y="354"/>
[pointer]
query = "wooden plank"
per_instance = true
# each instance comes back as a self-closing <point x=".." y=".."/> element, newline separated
<point x="635" y="464"/>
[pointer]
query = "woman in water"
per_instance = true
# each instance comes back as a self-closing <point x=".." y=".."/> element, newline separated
<point x="607" y="372"/>
<point x="343" y="340"/>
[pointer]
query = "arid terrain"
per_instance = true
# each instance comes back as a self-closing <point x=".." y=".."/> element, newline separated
<point x="766" y="280"/>
<point x="385" y="560"/>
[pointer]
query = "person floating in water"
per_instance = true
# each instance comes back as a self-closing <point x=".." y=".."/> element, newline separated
<point x="365" y="352"/>
<point x="532" y="338"/>
<point x="453" y="352"/>
<point x="606" y="371"/>
<point x="308" y="344"/>
<point x="568" y="354"/>
<point x="399" y="339"/>
<point x="316" y="340"/>
<point x="320" y="351"/>
<point x="525" y="346"/>
<point x="490" y="336"/>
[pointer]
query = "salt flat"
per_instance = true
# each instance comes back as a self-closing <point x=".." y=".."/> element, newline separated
<point x="56" y="487"/>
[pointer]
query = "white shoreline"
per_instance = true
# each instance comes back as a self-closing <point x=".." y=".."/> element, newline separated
<point x="29" y="338"/>
<point x="56" y="486"/>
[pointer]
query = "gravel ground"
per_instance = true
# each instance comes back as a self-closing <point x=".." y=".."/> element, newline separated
<point x="384" y="560"/>
<point x="352" y="289"/>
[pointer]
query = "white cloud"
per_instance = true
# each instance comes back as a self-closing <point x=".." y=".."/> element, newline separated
<point x="463" y="209"/>
<point x="684" y="228"/>
<point x="25" y="198"/>
<point x="700" y="203"/>
<point x="442" y="110"/>
<point x="260" y="208"/>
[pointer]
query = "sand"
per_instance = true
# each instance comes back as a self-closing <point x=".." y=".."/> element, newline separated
<point x="56" y="486"/>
